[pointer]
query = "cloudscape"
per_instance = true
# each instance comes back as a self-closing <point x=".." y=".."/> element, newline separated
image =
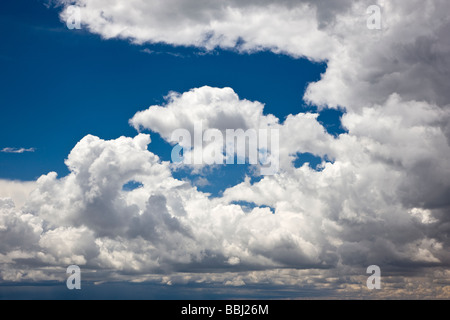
<point x="346" y="110"/>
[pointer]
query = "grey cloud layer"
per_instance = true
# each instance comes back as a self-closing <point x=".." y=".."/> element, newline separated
<point x="383" y="200"/>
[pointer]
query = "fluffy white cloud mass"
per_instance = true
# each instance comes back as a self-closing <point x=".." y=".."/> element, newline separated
<point x="384" y="199"/>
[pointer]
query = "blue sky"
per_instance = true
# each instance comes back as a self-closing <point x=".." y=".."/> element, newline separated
<point x="58" y="85"/>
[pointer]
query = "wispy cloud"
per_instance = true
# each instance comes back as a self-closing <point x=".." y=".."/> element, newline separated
<point x="146" y="50"/>
<point x="17" y="150"/>
<point x="173" y="54"/>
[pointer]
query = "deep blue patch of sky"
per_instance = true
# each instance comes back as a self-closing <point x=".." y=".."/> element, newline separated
<point x="249" y="206"/>
<point x="58" y="85"/>
<point x="131" y="185"/>
<point x="312" y="160"/>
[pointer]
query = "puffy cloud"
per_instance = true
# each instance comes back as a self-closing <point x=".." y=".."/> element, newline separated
<point x="207" y="108"/>
<point x="210" y="113"/>
<point x="409" y="137"/>
<point x="216" y="108"/>
<point x="67" y="245"/>
<point x="18" y="231"/>
<point x="283" y="26"/>
<point x="18" y="191"/>
<point x="408" y="56"/>
<point x="87" y="218"/>
<point x="353" y="213"/>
